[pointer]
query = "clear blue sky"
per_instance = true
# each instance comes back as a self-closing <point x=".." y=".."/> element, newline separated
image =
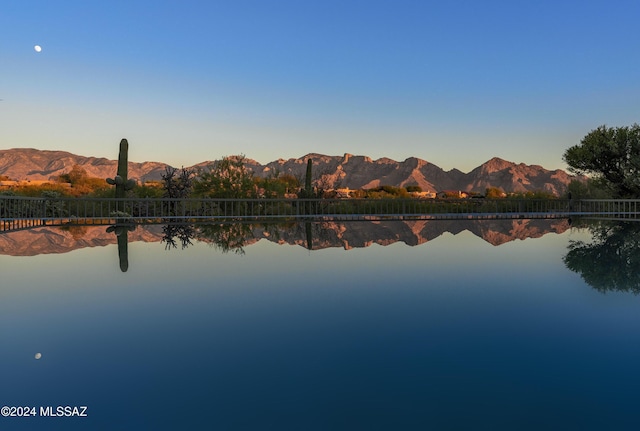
<point x="451" y="82"/>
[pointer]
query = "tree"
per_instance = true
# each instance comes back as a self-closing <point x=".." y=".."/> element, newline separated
<point x="226" y="178"/>
<point x="494" y="193"/>
<point x="77" y="175"/>
<point x="586" y="189"/>
<point x="277" y="185"/>
<point x="612" y="157"/>
<point x="177" y="183"/>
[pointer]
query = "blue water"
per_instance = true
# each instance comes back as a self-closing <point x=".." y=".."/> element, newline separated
<point x="451" y="334"/>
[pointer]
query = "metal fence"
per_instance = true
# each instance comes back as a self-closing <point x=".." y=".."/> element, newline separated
<point x="109" y="210"/>
<point x="608" y="208"/>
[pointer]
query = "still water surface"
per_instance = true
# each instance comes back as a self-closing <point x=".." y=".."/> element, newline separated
<point x="450" y="332"/>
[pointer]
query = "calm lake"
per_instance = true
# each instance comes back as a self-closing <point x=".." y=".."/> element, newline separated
<point x="357" y="326"/>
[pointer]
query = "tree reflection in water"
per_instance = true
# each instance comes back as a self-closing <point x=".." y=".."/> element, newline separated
<point x="233" y="237"/>
<point x="172" y="233"/>
<point x="224" y="237"/>
<point x="611" y="261"/>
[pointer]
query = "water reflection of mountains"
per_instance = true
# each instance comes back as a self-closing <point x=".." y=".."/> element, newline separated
<point x="316" y="236"/>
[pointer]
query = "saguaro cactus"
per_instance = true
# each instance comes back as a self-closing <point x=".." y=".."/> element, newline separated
<point x="307" y="180"/>
<point x="120" y="180"/>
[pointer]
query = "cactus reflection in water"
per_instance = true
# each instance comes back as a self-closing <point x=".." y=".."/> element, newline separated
<point x="122" y="232"/>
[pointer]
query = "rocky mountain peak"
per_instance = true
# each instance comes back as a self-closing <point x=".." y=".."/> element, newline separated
<point x="352" y="171"/>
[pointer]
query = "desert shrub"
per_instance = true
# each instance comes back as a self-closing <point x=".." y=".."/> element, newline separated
<point x="533" y="194"/>
<point x="494" y="193"/>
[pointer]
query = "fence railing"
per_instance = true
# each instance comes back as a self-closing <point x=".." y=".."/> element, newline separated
<point x="106" y="210"/>
<point x="617" y="208"/>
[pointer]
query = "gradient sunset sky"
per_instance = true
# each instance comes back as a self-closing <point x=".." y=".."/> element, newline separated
<point x="451" y="82"/>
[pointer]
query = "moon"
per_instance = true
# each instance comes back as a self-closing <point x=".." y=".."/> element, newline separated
<point x="38" y="355"/>
<point x="38" y="48"/>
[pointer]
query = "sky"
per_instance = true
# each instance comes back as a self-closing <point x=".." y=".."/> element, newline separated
<point x="451" y="82"/>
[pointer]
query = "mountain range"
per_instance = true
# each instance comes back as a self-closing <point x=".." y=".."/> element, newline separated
<point x="347" y="171"/>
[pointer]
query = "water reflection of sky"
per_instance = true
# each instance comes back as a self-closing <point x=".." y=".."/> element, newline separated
<point x="451" y="334"/>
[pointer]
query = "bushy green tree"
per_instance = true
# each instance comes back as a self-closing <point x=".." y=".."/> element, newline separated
<point x="226" y="178"/>
<point x="610" y="156"/>
<point x="587" y="189"/>
<point x="277" y="185"/>
<point x="77" y="175"/>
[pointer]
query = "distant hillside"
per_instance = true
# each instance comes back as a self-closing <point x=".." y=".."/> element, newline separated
<point x="31" y="164"/>
<point x="354" y="172"/>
